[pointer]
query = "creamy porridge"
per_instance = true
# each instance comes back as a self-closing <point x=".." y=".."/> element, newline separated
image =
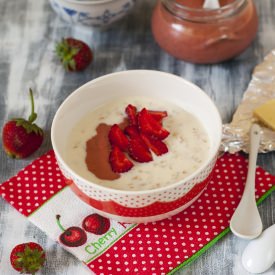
<point x="188" y="145"/>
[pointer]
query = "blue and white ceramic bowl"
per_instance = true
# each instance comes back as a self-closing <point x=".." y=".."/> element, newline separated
<point x="97" y="13"/>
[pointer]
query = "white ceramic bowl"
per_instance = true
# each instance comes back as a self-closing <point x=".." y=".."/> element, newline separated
<point x="138" y="206"/>
<point x="96" y="13"/>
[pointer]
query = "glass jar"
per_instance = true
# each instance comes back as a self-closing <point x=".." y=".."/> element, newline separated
<point x="204" y="36"/>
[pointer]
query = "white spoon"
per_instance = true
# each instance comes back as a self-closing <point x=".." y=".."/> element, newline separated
<point x="259" y="255"/>
<point x="246" y="221"/>
<point x="211" y="4"/>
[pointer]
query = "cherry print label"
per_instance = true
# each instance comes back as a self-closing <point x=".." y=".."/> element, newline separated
<point x="40" y="193"/>
<point x="93" y="247"/>
<point x="99" y="245"/>
<point x="85" y="245"/>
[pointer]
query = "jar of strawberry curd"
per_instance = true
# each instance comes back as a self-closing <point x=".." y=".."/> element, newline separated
<point x="187" y="31"/>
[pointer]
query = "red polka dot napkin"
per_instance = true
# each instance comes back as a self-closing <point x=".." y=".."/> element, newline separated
<point x="40" y="193"/>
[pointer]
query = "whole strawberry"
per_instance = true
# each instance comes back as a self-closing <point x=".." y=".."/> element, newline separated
<point x="74" y="54"/>
<point x="22" y="137"/>
<point x="27" y="258"/>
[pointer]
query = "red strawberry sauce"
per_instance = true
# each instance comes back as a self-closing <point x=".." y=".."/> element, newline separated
<point x="98" y="149"/>
<point x="186" y="31"/>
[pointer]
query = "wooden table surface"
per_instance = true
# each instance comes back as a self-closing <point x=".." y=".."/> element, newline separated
<point x="29" y="30"/>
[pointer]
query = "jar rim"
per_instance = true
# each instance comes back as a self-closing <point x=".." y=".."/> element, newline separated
<point x="201" y="14"/>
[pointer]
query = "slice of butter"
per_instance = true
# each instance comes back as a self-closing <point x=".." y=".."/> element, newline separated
<point x="266" y="113"/>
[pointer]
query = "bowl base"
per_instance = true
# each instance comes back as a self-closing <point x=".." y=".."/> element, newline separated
<point x="128" y="219"/>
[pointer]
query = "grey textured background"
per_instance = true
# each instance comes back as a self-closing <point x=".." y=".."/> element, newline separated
<point x="28" y="32"/>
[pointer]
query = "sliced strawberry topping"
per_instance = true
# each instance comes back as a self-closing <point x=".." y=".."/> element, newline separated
<point x="158" y="115"/>
<point x="139" y="151"/>
<point x="143" y="135"/>
<point x="156" y="145"/>
<point x="119" y="162"/>
<point x="131" y="112"/>
<point x="132" y="131"/>
<point x="151" y="127"/>
<point x="118" y="138"/>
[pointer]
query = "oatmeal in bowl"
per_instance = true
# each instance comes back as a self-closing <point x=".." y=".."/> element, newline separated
<point x="138" y="146"/>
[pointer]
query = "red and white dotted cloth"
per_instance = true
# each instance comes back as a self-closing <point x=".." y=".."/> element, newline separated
<point x="40" y="193"/>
